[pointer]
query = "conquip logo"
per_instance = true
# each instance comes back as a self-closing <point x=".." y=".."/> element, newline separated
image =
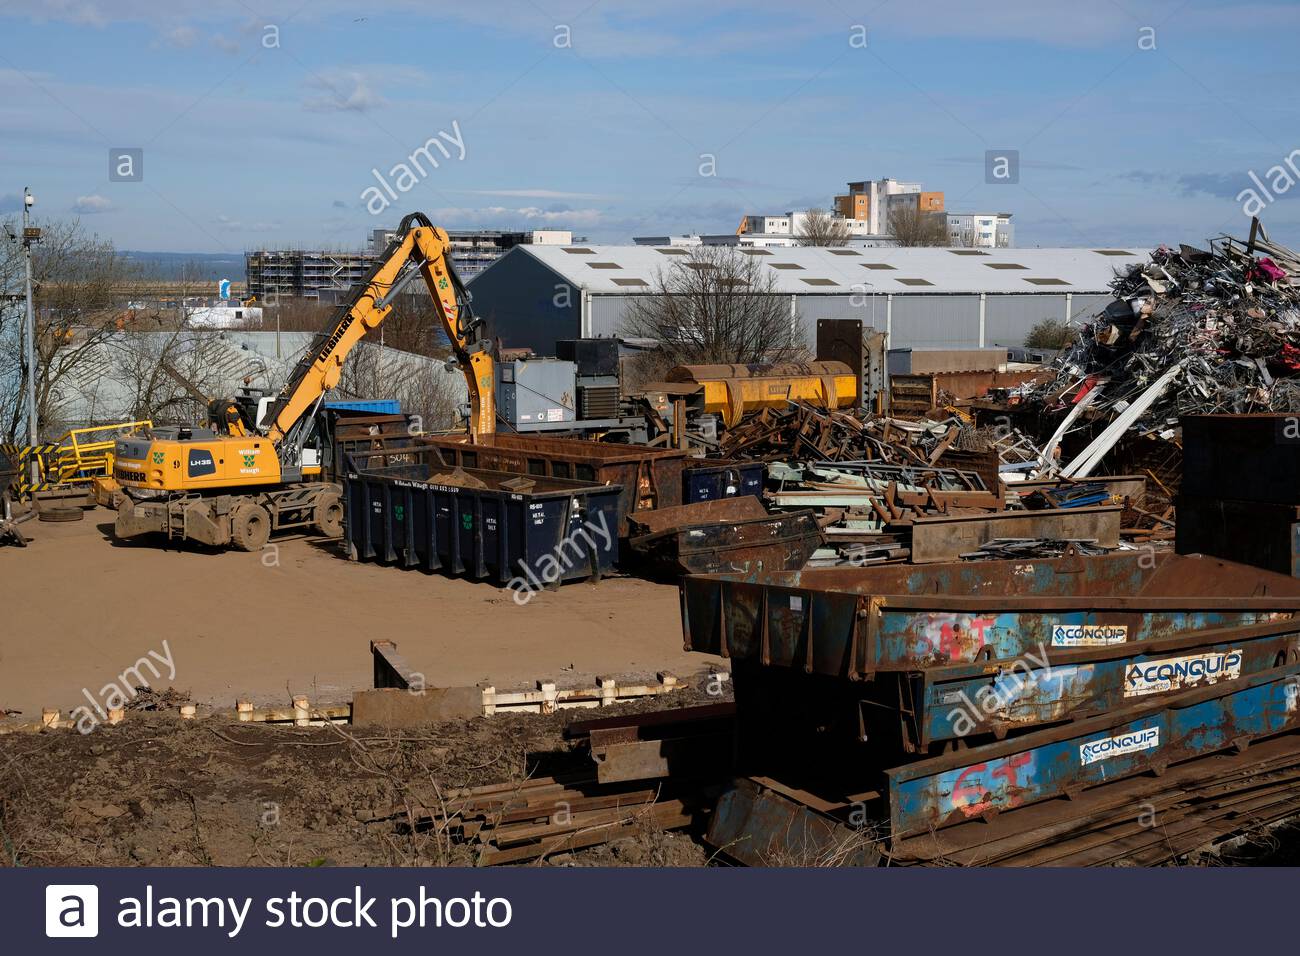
<point x="1126" y="743"/>
<point x="1172" y="673"/>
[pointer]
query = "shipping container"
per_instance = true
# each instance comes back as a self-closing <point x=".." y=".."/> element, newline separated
<point x="528" y="533"/>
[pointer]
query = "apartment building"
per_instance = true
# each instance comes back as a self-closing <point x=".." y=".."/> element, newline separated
<point x="873" y="202"/>
<point x="980" y="230"/>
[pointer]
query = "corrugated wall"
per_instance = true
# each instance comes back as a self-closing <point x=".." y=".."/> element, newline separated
<point x="1009" y="318"/>
<point x="605" y="315"/>
<point x="526" y="304"/>
<point x="935" y="321"/>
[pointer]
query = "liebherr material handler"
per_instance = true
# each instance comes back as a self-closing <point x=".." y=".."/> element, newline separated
<point x="230" y="484"/>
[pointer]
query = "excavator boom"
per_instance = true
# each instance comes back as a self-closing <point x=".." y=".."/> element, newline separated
<point x="422" y="248"/>
<point x="232" y="485"/>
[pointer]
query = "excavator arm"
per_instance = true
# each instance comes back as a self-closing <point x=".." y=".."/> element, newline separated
<point x="419" y="249"/>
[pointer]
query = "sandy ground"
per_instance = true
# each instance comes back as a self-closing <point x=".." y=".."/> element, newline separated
<point x="79" y="608"/>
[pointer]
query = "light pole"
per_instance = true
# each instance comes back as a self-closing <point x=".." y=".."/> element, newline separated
<point x="31" y="234"/>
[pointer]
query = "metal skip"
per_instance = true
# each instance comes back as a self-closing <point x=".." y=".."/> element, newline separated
<point x="1150" y="736"/>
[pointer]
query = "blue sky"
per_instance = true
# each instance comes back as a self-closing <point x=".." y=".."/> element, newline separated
<point x="261" y="121"/>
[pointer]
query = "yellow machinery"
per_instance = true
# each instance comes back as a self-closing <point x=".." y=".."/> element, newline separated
<point x="78" y="459"/>
<point x="733" y="391"/>
<point x="234" y="485"/>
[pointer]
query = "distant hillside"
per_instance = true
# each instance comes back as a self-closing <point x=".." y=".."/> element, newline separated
<point x="189" y="265"/>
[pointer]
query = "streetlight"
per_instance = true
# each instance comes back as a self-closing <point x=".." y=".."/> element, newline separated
<point x="31" y="234"/>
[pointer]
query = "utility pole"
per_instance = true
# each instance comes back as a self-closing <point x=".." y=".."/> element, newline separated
<point x="31" y="235"/>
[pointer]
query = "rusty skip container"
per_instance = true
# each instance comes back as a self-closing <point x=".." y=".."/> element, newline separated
<point x="917" y="656"/>
<point x="647" y="477"/>
<point x="974" y="784"/>
<point x="538" y="536"/>
<point x="855" y="622"/>
<point x="729" y="535"/>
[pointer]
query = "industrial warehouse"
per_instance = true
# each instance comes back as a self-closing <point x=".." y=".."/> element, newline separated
<point x="920" y="297"/>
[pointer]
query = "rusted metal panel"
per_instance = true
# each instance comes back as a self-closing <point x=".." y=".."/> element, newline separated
<point x="1051" y="686"/>
<point x="947" y="538"/>
<point x="734" y="535"/>
<point x="1261" y="533"/>
<point x="856" y="622"/>
<point x="1121" y="488"/>
<point x="1246" y="457"/>
<point x="994" y="778"/>
<point x="760" y="827"/>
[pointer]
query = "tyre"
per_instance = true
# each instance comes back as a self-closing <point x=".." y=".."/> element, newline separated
<point x="328" y="516"/>
<point x="250" y="527"/>
<point x="60" y="514"/>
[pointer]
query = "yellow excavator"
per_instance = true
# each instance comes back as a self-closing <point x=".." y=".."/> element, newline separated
<point x="247" y="474"/>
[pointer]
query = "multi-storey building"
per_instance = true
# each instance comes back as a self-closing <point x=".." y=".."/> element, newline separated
<point x="980" y="230"/>
<point x="874" y="201"/>
<point x="325" y="275"/>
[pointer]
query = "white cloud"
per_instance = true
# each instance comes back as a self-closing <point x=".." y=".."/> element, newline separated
<point x="503" y="216"/>
<point x="225" y="44"/>
<point x="235" y="225"/>
<point x="92" y="204"/>
<point x="181" y="37"/>
<point x="533" y="193"/>
<point x="342" y="91"/>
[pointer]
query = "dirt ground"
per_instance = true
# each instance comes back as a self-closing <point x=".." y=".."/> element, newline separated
<point x="159" y="791"/>
<point x="79" y="609"/>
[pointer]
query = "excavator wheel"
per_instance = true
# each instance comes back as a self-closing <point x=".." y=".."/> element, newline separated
<point x="250" y="527"/>
<point x="328" y="516"/>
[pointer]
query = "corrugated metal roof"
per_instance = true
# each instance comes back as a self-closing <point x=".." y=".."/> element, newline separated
<point x="821" y="271"/>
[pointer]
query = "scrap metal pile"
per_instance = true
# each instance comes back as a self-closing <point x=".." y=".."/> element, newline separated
<point x="1191" y="332"/>
<point x="877" y="483"/>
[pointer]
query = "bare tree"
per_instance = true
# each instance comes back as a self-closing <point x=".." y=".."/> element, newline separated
<point x="912" y="227"/>
<point x="146" y="363"/>
<point x="412" y="325"/>
<point x="716" y="304"/>
<point x="420" y="383"/>
<point x="820" y="228"/>
<point x="78" y="278"/>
